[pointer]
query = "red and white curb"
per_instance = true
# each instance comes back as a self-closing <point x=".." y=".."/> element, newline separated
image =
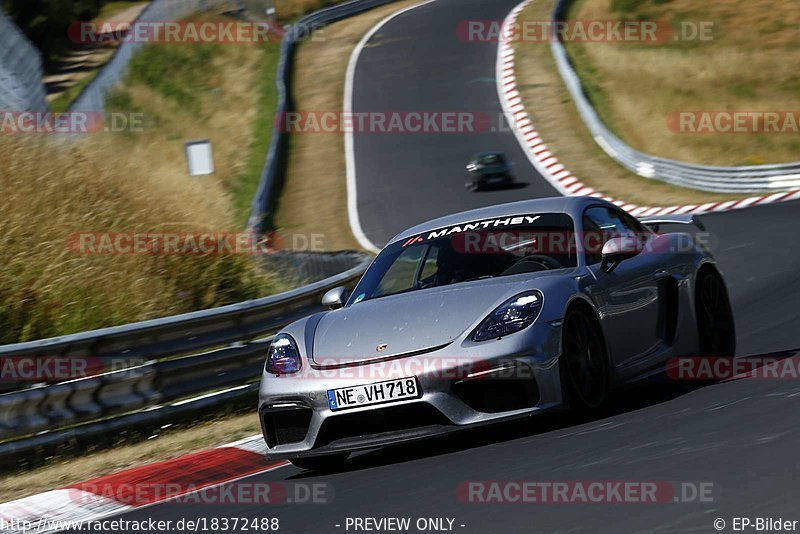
<point x="120" y="492"/>
<point x="548" y="165"/>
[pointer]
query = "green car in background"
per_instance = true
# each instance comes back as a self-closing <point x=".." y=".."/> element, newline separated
<point x="489" y="170"/>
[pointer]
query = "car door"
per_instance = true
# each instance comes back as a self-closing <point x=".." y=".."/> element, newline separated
<point x="628" y="296"/>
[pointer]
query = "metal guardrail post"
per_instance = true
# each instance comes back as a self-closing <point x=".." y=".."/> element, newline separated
<point x="231" y="336"/>
<point x="238" y="328"/>
<point x="719" y="179"/>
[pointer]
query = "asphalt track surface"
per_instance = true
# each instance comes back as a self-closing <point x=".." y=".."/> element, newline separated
<point x="740" y="436"/>
<point x="419" y="62"/>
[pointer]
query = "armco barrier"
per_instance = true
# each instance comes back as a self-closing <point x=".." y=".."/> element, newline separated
<point x="33" y="449"/>
<point x="269" y="185"/>
<point x="21" y="86"/>
<point x="748" y="179"/>
<point x="194" y="354"/>
<point x="92" y="98"/>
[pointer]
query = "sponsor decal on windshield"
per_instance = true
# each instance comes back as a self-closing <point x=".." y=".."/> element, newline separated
<point x="505" y="222"/>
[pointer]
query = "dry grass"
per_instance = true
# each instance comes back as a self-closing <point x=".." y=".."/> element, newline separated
<point x="120" y="10"/>
<point x="749" y="65"/>
<point x="129" y="183"/>
<point x="292" y="9"/>
<point x="314" y="197"/>
<point x="169" y="444"/>
<point x="51" y="192"/>
<point x="215" y="102"/>
<point x="556" y="118"/>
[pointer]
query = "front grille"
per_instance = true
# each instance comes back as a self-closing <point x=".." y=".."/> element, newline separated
<point x="285" y="425"/>
<point x="495" y="395"/>
<point x="379" y="421"/>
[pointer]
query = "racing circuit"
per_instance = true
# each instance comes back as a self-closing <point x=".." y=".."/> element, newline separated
<point x="737" y="435"/>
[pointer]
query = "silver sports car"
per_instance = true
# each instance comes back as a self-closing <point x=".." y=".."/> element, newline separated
<point x="487" y="315"/>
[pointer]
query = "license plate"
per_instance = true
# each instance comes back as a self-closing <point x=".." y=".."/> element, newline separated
<point x="378" y="393"/>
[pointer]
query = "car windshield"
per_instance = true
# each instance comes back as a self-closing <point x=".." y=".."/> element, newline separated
<point x="471" y="251"/>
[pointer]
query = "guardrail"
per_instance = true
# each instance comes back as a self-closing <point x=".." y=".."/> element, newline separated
<point x="188" y="363"/>
<point x="747" y="179"/>
<point x="263" y="206"/>
<point x="195" y="354"/>
<point x="21" y="86"/>
<point x="92" y="98"/>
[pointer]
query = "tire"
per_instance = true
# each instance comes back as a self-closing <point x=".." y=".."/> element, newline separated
<point x="321" y="463"/>
<point x="584" y="362"/>
<point x="716" y="330"/>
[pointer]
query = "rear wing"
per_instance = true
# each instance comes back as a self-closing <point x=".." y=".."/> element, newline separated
<point x="655" y="221"/>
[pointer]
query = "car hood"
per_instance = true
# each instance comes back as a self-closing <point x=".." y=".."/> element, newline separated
<point x="407" y="323"/>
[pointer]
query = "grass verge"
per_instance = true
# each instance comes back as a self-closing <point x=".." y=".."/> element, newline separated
<point x="223" y="93"/>
<point x="135" y="181"/>
<point x="167" y="444"/>
<point x="156" y="155"/>
<point x="554" y="115"/>
<point x="743" y="65"/>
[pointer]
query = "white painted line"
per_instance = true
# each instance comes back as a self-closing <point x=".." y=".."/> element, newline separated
<point x="349" y="145"/>
<point x="504" y="53"/>
<point x="544" y="162"/>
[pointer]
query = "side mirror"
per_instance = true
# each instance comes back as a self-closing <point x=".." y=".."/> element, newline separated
<point x="335" y="298"/>
<point x="617" y="249"/>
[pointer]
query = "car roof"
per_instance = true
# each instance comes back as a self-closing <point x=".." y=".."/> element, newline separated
<point x="573" y="206"/>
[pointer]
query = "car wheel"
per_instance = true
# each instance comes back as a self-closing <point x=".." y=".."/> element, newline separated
<point x="715" y="324"/>
<point x="330" y="462"/>
<point x="584" y="362"/>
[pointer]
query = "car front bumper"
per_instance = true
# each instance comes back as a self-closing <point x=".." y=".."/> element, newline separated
<point x="463" y="385"/>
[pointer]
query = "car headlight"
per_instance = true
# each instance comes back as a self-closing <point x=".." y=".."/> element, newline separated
<point x="283" y="357"/>
<point x="512" y="316"/>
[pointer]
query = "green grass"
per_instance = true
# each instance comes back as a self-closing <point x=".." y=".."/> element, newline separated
<point x="178" y="73"/>
<point x="592" y="81"/>
<point x="63" y="101"/>
<point x="182" y="74"/>
<point x="245" y="189"/>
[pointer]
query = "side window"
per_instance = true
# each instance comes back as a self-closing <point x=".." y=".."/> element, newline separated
<point x="430" y="267"/>
<point x="402" y="274"/>
<point x="601" y="224"/>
